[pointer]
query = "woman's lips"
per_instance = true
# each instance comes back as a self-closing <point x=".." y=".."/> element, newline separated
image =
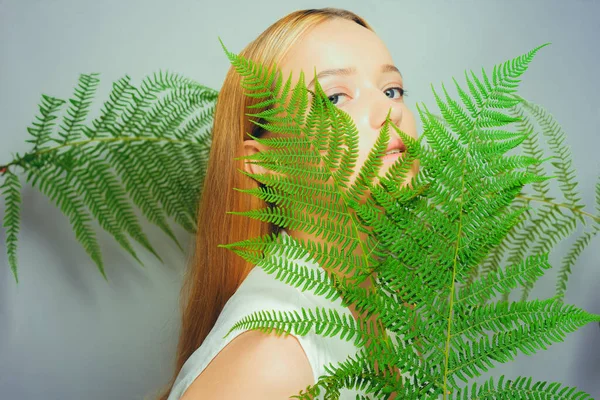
<point x="391" y="157"/>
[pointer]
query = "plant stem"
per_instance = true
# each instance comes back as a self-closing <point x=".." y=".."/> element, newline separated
<point x="574" y="210"/>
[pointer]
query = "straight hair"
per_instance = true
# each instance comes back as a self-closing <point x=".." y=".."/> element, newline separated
<point x="214" y="274"/>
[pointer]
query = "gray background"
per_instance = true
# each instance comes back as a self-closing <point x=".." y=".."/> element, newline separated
<point x="65" y="333"/>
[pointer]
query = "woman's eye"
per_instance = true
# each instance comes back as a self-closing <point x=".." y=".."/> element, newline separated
<point x="336" y="95"/>
<point x="401" y="91"/>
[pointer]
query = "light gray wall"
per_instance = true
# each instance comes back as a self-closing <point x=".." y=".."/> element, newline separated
<point x="67" y="334"/>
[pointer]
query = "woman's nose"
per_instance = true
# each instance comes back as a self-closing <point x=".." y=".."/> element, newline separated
<point x="380" y="106"/>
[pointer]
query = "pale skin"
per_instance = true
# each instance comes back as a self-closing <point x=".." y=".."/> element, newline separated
<point x="256" y="365"/>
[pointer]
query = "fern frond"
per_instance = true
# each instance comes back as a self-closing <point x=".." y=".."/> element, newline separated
<point x="503" y="280"/>
<point x="82" y="178"/>
<point x="474" y="321"/>
<point x="520" y="388"/>
<point x="12" y="218"/>
<point x="326" y="322"/>
<point x="42" y="130"/>
<point x="99" y="182"/>
<point x="424" y="240"/>
<point x="576" y="249"/>
<point x="541" y="228"/>
<point x="79" y="107"/>
<point x="473" y="359"/>
<point x="298" y="220"/>
<point x="556" y="137"/>
<point x="57" y="188"/>
<point x="133" y="171"/>
<point x="292" y="273"/>
<point x="557" y="224"/>
<point x="158" y="146"/>
<point x="359" y="373"/>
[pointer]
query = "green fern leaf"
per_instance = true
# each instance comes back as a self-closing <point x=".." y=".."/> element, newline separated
<point x="545" y="226"/>
<point x="71" y="130"/>
<point x="154" y="138"/>
<point x="58" y="189"/>
<point x="521" y="388"/>
<point x="426" y="241"/>
<point x="42" y="130"/>
<point x="12" y="218"/>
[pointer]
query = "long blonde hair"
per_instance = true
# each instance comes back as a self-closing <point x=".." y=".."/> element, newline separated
<point x="214" y="274"/>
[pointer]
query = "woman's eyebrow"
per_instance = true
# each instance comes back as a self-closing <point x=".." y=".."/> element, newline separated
<point x="350" y="71"/>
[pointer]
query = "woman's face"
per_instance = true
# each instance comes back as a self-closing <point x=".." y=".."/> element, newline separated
<point x="367" y="93"/>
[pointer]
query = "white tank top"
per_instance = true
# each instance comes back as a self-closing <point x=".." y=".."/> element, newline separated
<point x="261" y="291"/>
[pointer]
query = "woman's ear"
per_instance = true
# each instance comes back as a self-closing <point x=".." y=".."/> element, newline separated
<point x="252" y="147"/>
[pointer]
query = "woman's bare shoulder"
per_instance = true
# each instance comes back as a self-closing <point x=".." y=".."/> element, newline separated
<point x="254" y="365"/>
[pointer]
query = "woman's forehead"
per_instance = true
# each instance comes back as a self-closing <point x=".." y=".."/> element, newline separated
<point x="335" y="44"/>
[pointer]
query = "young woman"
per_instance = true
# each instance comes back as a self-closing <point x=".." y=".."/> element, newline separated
<point x="220" y="288"/>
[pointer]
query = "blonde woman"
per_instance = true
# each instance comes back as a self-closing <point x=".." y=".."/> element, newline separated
<point x="358" y="74"/>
